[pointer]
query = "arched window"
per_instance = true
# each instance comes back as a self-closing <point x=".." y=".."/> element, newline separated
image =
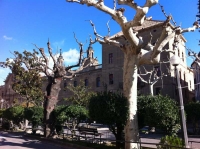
<point x="110" y="58"/>
<point x="98" y="82"/>
<point x="111" y="79"/>
<point x="86" y="82"/>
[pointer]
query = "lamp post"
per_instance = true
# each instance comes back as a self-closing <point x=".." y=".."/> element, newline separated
<point x="175" y="60"/>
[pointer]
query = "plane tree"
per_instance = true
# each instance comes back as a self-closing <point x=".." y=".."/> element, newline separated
<point x="38" y="60"/>
<point x="136" y="51"/>
<point x="153" y="76"/>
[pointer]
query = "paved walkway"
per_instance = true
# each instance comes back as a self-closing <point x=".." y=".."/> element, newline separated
<point x="18" y="141"/>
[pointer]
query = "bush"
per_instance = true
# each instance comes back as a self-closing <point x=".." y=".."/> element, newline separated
<point x="34" y="115"/>
<point x="15" y="114"/>
<point x="170" y="141"/>
<point x="6" y="125"/>
<point x="159" y="111"/>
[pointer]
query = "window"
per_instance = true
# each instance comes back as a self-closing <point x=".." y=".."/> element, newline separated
<point x="75" y="83"/>
<point x="111" y="79"/>
<point x="98" y="82"/>
<point x="65" y="84"/>
<point x="157" y="70"/>
<point x="178" y="53"/>
<point x="158" y="89"/>
<point x="110" y="58"/>
<point x="184" y="80"/>
<point x="86" y="82"/>
<point x="182" y="56"/>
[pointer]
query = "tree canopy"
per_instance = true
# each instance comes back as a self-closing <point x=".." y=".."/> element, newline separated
<point x="81" y="94"/>
<point x="111" y="109"/>
<point x="160" y="112"/>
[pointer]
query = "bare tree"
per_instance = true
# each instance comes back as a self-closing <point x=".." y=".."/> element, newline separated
<point x="55" y="75"/>
<point x="154" y="75"/>
<point x="136" y="52"/>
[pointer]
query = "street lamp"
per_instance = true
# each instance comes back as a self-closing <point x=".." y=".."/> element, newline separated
<point x="175" y="61"/>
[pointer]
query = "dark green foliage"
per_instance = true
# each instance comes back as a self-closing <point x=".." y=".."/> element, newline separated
<point x="34" y="115"/>
<point x="27" y="80"/>
<point x="160" y="112"/>
<point x="1" y="112"/>
<point x="59" y="114"/>
<point x="77" y="112"/>
<point x="193" y="114"/>
<point x="172" y="141"/>
<point x="81" y="94"/>
<point x="15" y="114"/>
<point x="59" y="117"/>
<point x="5" y="125"/>
<point x="193" y="111"/>
<point x="63" y="113"/>
<point x="111" y="109"/>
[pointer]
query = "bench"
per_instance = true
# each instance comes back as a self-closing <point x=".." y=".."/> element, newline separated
<point x="88" y="133"/>
<point x="72" y="132"/>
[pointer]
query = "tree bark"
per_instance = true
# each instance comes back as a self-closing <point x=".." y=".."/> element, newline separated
<point x="151" y="89"/>
<point x="130" y="91"/>
<point x="50" y="102"/>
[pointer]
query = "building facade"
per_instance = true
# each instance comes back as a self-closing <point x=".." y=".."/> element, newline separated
<point x="7" y="95"/>
<point x="196" y="67"/>
<point x="108" y="76"/>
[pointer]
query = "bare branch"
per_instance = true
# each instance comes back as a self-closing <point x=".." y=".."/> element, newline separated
<point x="162" y="8"/>
<point x="140" y="11"/>
<point x="50" y="52"/>
<point x="114" y="4"/>
<point x="94" y="29"/>
<point x="142" y="79"/>
<point x="191" y="29"/>
<point x="108" y="28"/>
<point x="168" y="50"/>
<point x="45" y="60"/>
<point x="105" y="39"/>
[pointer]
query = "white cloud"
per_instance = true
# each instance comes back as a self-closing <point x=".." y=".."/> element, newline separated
<point x="7" y="38"/>
<point x="71" y="56"/>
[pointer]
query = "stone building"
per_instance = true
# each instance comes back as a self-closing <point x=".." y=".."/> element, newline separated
<point x="9" y="96"/>
<point x="109" y="75"/>
<point x="196" y="68"/>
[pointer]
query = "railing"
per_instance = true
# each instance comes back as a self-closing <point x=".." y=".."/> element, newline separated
<point x="159" y="145"/>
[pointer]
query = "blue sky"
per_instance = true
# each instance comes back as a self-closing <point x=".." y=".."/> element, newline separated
<point x="24" y="22"/>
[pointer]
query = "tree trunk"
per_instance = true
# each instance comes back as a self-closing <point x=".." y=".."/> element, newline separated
<point x="130" y="91"/>
<point x="50" y="102"/>
<point x="151" y="89"/>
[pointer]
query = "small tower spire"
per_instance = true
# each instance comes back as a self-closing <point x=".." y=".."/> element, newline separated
<point x="60" y="59"/>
